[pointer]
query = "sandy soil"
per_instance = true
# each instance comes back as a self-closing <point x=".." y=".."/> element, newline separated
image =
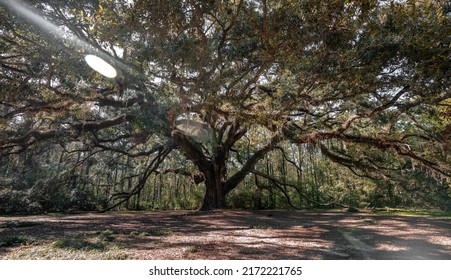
<point x="234" y="234"/>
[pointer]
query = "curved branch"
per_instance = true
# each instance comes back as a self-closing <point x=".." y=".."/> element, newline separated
<point x="279" y="183"/>
<point x="197" y="178"/>
<point x="98" y="125"/>
<point x="236" y="178"/>
<point x="163" y="152"/>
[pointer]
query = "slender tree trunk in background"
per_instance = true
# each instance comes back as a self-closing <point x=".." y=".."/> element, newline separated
<point x="272" y="197"/>
<point x="87" y="174"/>
<point x="301" y="177"/>
<point x="154" y="192"/>
<point x="116" y="172"/>
<point x="138" y="198"/>
<point x="129" y="187"/>
<point x="314" y="178"/>
<point x="159" y="192"/>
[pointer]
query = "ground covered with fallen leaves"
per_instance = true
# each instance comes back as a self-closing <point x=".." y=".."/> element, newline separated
<point x="225" y="234"/>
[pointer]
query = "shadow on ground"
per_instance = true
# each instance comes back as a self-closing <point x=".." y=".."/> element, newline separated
<point x="234" y="234"/>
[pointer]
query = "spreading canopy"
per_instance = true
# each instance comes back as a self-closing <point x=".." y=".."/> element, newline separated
<point x="207" y="77"/>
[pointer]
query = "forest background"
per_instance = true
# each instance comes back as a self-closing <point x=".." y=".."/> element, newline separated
<point x="224" y="104"/>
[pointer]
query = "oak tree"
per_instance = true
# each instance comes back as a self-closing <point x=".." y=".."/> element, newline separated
<point x="206" y="77"/>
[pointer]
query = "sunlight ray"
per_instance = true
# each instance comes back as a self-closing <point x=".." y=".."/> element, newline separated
<point x="95" y="58"/>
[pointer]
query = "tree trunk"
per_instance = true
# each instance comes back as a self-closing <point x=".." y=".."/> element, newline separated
<point x="217" y="183"/>
<point x="215" y="193"/>
<point x="214" y="197"/>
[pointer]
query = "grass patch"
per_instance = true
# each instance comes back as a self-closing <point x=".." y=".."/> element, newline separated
<point x="73" y="248"/>
<point x="158" y="232"/>
<point x="153" y="232"/>
<point x="79" y="244"/>
<point x="190" y="249"/>
<point x="106" y="236"/>
<point x="414" y="212"/>
<point x="50" y="252"/>
<point x="139" y="233"/>
<point x="260" y="227"/>
<point x="14" y="241"/>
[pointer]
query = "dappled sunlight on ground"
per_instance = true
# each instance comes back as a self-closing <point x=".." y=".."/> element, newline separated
<point x="390" y="247"/>
<point x="231" y="234"/>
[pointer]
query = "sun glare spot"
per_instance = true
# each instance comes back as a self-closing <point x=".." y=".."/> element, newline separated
<point x="101" y="66"/>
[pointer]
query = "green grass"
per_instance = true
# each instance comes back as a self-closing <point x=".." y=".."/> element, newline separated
<point x="106" y="235"/>
<point x="52" y="252"/>
<point x="414" y="212"/>
<point x="73" y="248"/>
<point x="79" y="244"/>
<point x="153" y="232"/>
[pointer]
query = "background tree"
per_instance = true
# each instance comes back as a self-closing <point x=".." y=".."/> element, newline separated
<point x="225" y="85"/>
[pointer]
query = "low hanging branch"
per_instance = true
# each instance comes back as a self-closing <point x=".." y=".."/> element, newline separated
<point x="12" y="145"/>
<point x="287" y="197"/>
<point x="197" y="178"/>
<point x="278" y="184"/>
<point x="151" y="168"/>
<point x="382" y="143"/>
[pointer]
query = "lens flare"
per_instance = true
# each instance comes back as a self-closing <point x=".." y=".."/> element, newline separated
<point x="192" y="126"/>
<point x="101" y="66"/>
<point x="33" y="17"/>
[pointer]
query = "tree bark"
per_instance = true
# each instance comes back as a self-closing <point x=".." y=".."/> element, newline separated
<point x="215" y="192"/>
<point x="215" y="196"/>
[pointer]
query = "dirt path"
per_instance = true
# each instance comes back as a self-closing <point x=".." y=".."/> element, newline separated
<point x="246" y="234"/>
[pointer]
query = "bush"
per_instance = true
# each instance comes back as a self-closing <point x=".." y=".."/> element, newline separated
<point x="83" y="200"/>
<point x="245" y="198"/>
<point x="51" y="194"/>
<point x="14" y="201"/>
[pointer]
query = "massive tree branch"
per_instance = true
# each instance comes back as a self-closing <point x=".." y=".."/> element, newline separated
<point x="8" y="143"/>
<point x="239" y="176"/>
